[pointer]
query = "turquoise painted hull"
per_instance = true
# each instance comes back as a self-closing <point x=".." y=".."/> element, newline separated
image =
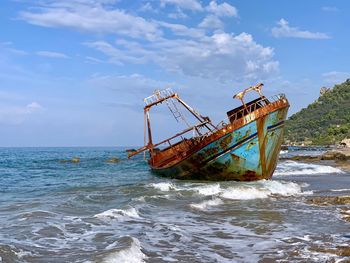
<point x="247" y="153"/>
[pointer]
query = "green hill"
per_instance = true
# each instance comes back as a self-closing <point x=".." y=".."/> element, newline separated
<point x="326" y="121"/>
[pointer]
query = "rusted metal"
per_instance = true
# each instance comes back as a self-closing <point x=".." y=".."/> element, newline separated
<point x="245" y="148"/>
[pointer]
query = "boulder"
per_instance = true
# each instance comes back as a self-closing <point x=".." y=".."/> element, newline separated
<point x="345" y="143"/>
<point x="335" y="155"/>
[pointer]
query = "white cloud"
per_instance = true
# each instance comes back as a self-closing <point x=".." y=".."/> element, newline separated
<point x="193" y="5"/>
<point x="51" y="54"/>
<point x="147" y="7"/>
<point x="221" y="56"/>
<point x="182" y="30"/>
<point x="118" y="56"/>
<point x="8" y="46"/>
<point x="179" y="14"/>
<point x="34" y="106"/>
<point x="335" y="77"/>
<point x="330" y="9"/>
<point x="12" y="114"/>
<point x="211" y="22"/>
<point x="223" y="9"/>
<point x="174" y="47"/>
<point x="95" y="18"/>
<point x="284" y="30"/>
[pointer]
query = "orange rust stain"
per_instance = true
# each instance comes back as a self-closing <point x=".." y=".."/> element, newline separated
<point x="274" y="155"/>
<point x="235" y="157"/>
<point x="260" y="123"/>
<point x="224" y="143"/>
<point x="211" y="151"/>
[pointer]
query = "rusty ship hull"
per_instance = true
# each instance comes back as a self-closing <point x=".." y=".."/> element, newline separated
<point x="246" y="150"/>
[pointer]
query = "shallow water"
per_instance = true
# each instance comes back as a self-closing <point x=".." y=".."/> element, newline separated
<point x="94" y="211"/>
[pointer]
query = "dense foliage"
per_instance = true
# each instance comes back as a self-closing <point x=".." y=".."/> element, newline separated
<point x="326" y="121"/>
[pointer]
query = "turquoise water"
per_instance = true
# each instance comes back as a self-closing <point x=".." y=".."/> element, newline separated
<point x="94" y="211"/>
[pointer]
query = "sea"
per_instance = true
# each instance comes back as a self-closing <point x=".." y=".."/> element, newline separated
<point x="54" y="210"/>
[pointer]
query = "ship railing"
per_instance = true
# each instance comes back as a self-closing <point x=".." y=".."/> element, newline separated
<point x="193" y="129"/>
<point x="159" y="95"/>
<point x="262" y="102"/>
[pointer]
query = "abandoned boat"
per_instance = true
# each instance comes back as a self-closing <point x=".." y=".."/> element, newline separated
<point x="245" y="147"/>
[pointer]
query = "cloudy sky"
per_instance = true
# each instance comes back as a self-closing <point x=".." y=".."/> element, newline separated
<point x="75" y="72"/>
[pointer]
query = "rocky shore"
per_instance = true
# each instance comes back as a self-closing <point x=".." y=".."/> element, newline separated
<point x="339" y="157"/>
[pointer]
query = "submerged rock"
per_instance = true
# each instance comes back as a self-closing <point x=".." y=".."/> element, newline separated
<point x="113" y="160"/>
<point x="342" y="251"/>
<point x="336" y="155"/>
<point x="342" y="203"/>
<point x="73" y="160"/>
<point x="330" y="200"/>
<point x="345" y="214"/>
<point x="302" y="158"/>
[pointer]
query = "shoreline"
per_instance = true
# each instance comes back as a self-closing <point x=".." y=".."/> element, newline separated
<point x="339" y="158"/>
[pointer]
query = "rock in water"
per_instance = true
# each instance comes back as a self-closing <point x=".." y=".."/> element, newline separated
<point x="73" y="160"/>
<point x="337" y="155"/>
<point x="113" y="160"/>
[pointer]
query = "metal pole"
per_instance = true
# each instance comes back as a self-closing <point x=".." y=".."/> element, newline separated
<point x="150" y="144"/>
<point x="194" y="113"/>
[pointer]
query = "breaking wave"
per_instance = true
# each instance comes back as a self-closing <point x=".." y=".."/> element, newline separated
<point x="118" y="214"/>
<point x="262" y="189"/>
<point x="163" y="186"/>
<point x="233" y="190"/>
<point x="132" y="254"/>
<point x="206" y="204"/>
<point x="212" y="189"/>
<point x="297" y="168"/>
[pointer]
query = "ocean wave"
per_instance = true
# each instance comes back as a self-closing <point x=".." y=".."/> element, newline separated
<point x="210" y="189"/>
<point x="163" y="186"/>
<point x="234" y="190"/>
<point x="206" y="204"/>
<point x="262" y="189"/>
<point x="297" y="168"/>
<point x="244" y="193"/>
<point x="118" y="214"/>
<point x="132" y="254"/>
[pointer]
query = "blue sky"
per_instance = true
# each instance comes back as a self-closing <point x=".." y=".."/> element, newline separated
<point x="74" y="73"/>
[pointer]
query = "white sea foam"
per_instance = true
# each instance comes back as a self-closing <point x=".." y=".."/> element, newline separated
<point x="283" y="151"/>
<point x="297" y="168"/>
<point x="163" y="186"/>
<point x="244" y="193"/>
<point x="20" y="254"/>
<point x="132" y="254"/>
<point x="118" y="214"/>
<point x="211" y="189"/>
<point x="206" y="204"/>
<point x="234" y="190"/>
<point x="262" y="189"/>
<point x="282" y="188"/>
<point x="340" y="190"/>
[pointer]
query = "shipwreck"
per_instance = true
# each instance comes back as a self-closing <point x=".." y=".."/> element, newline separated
<point x="244" y="147"/>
